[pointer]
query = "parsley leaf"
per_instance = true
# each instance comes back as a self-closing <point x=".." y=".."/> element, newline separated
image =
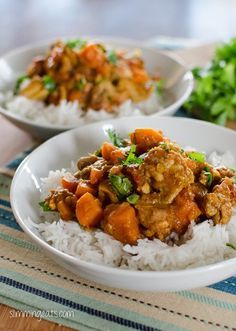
<point x="49" y="83"/>
<point x="133" y="198"/>
<point x="121" y="185"/>
<point x="112" y="56"/>
<point x="80" y="84"/>
<point x="208" y="173"/>
<point x="132" y="158"/>
<point x="76" y="43"/>
<point x="19" y="81"/>
<point x="231" y="246"/>
<point x="197" y="156"/>
<point x="45" y="206"/>
<point x="159" y="86"/>
<point x="213" y="98"/>
<point x="116" y="138"/>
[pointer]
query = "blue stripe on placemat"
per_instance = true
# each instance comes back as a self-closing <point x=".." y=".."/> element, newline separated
<point x="7" y="219"/>
<point x="228" y="285"/>
<point x="5" y="203"/>
<point x="74" y="305"/>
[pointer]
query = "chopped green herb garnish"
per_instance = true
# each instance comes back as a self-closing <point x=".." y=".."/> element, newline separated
<point x="19" y="81"/>
<point x="234" y="179"/>
<point x="112" y="56"/>
<point x="98" y="152"/>
<point x="197" y="156"/>
<point x="207" y="172"/>
<point x="76" y="43"/>
<point x="102" y="47"/>
<point x="163" y="145"/>
<point x="121" y="185"/>
<point x="159" y="86"/>
<point x="45" y="206"/>
<point x="133" y="198"/>
<point x="80" y="84"/>
<point x="132" y="158"/>
<point x="231" y="246"/>
<point x="49" y="83"/>
<point x="116" y="138"/>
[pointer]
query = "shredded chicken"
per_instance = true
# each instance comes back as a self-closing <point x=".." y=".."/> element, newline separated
<point x="166" y="172"/>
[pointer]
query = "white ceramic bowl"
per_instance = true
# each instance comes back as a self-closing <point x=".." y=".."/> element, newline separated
<point x="59" y="151"/>
<point x="178" y="79"/>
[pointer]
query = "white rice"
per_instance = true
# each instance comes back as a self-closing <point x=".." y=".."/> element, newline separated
<point x="203" y="243"/>
<point x="66" y="113"/>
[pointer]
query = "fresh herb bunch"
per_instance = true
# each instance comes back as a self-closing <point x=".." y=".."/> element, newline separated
<point x="214" y="97"/>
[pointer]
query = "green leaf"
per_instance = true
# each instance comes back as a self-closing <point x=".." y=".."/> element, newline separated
<point x="98" y="152"/>
<point x="116" y="138"/>
<point x="197" y="156"/>
<point x="45" y="206"/>
<point x="112" y="56"/>
<point x="121" y="185"/>
<point x="19" y="81"/>
<point x="208" y="173"/>
<point x="214" y="97"/>
<point x="231" y="246"/>
<point x="159" y="86"/>
<point x="49" y="83"/>
<point x="132" y="158"/>
<point x="221" y="119"/>
<point x="229" y="72"/>
<point x="218" y="107"/>
<point x="76" y="43"/>
<point x="80" y="84"/>
<point x="133" y="198"/>
<point x="197" y="72"/>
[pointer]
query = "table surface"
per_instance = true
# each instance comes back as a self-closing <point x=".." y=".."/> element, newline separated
<point x="14" y="140"/>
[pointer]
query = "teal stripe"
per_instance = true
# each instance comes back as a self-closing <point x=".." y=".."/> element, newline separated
<point x="207" y="300"/>
<point x="19" y="242"/>
<point x="87" y="301"/>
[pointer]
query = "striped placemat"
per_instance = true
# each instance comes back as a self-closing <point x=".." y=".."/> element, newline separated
<point x="31" y="282"/>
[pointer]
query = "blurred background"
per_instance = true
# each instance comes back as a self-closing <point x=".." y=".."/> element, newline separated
<point x="24" y="21"/>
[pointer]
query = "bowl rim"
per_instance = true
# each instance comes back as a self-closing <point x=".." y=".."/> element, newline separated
<point x="104" y="268"/>
<point x="187" y="74"/>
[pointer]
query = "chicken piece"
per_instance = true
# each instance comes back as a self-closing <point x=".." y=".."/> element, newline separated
<point x="160" y="221"/>
<point x="35" y="90"/>
<point x="226" y="172"/>
<point x="165" y="172"/>
<point x="218" y="204"/>
<point x="37" y="67"/>
<point x="135" y="92"/>
<point x="102" y="96"/>
<point x="195" y="166"/>
<point x="64" y="202"/>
